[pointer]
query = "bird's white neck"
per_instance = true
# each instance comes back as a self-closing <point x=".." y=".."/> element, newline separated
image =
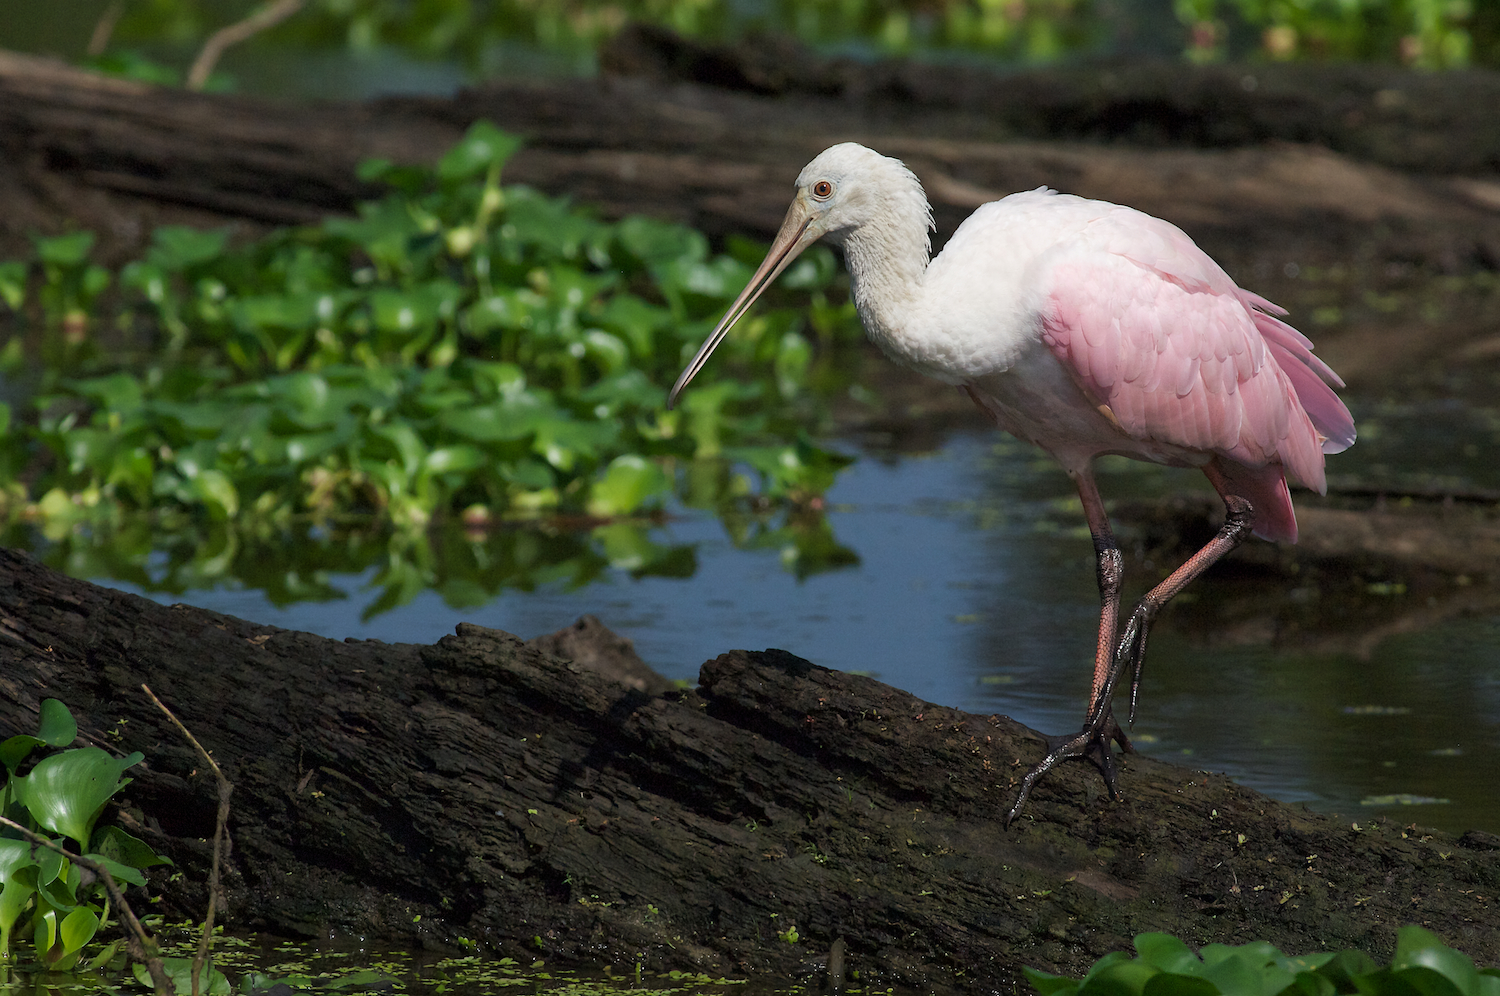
<point x="887" y="257"/>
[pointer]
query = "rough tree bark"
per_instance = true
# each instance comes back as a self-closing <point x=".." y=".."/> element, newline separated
<point x="567" y="807"/>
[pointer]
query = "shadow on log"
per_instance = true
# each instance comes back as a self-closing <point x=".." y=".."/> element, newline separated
<point x="484" y="788"/>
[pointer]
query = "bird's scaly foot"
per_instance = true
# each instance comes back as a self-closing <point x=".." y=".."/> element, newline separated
<point x="1091" y="744"/>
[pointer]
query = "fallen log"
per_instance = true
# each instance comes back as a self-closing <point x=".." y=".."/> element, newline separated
<point x="486" y="788"/>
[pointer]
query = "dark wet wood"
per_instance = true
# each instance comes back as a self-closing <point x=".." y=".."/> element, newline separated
<point x="547" y="808"/>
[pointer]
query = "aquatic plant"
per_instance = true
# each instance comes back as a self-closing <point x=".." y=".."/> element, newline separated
<point x="456" y="349"/>
<point x="64" y="793"/>
<point x="1165" y="966"/>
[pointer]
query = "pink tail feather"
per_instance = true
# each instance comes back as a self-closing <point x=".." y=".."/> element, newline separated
<point x="1266" y="489"/>
<point x="1311" y="378"/>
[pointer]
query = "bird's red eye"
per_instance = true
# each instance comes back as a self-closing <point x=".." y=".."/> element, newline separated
<point x="822" y="190"/>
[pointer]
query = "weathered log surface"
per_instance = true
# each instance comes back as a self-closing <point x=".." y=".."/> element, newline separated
<point x="517" y="798"/>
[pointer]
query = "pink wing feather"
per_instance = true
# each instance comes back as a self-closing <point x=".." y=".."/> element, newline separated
<point x="1152" y="327"/>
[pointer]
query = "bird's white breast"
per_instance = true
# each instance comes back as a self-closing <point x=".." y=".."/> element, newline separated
<point x="979" y="305"/>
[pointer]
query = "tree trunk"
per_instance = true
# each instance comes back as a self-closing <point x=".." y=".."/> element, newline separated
<point x="485" y="788"/>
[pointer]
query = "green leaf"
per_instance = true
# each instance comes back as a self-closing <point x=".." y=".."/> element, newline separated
<point x="44" y="931"/>
<point x="1346" y="966"/>
<point x="657" y="242"/>
<point x="17" y="885"/>
<point x="1122" y="978"/>
<point x="177" y="247"/>
<point x="121" y="393"/>
<point x="114" y="844"/>
<point x="217" y="493"/>
<point x="14" y="855"/>
<point x="514" y="417"/>
<point x="13" y="275"/>
<point x="608" y="351"/>
<point x="482" y="147"/>
<point x="401" y="311"/>
<point x="180" y="972"/>
<point x="1310" y="984"/>
<point x="562" y="441"/>
<point x="66" y="792"/>
<point x="15" y="749"/>
<point x="105" y="956"/>
<point x="1178" y="984"/>
<point x="1236" y="973"/>
<point x="1417" y="947"/>
<point x="77" y="929"/>
<point x="1167" y="953"/>
<point x="1431" y="982"/>
<point x="452" y="459"/>
<point x="95" y="280"/>
<point x="60" y="892"/>
<point x="57" y="727"/>
<point x="65" y="250"/>
<point x="365" y="978"/>
<point x="628" y="483"/>
<point x="1050" y="985"/>
<point x="793" y="358"/>
<point x="118" y="871"/>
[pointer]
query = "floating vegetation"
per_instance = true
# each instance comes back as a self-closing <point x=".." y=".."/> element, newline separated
<point x="1165" y="966"/>
<point x="458" y="352"/>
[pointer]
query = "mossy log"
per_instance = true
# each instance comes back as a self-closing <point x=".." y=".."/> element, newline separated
<point x="550" y="799"/>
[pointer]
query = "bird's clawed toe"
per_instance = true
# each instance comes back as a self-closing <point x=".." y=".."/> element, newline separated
<point x="1091" y="744"/>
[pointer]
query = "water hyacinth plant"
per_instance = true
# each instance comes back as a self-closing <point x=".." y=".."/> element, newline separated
<point x="64" y="793"/>
<point x="457" y="351"/>
<point x="1165" y="966"/>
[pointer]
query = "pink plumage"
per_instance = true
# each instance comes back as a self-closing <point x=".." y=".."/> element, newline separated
<point x="1185" y="359"/>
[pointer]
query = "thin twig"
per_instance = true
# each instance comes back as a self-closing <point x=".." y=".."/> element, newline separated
<point x="220" y="835"/>
<point x="105" y="28"/>
<point x="233" y="34"/>
<point x="146" y="946"/>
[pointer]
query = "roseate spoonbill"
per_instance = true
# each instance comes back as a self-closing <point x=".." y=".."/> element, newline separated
<point x="1087" y="328"/>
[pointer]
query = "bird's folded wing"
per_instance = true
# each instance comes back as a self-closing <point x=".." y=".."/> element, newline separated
<point x="1181" y="357"/>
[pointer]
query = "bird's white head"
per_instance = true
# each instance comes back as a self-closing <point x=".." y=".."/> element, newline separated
<point x="849" y="187"/>
<point x="846" y="190"/>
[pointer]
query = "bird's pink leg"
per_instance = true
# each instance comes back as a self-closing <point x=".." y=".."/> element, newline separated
<point x="1110" y="569"/>
<point x="1239" y="519"/>
<point x="1099" y="726"/>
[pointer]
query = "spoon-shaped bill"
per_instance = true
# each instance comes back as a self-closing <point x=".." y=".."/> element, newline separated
<point x="790" y="241"/>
